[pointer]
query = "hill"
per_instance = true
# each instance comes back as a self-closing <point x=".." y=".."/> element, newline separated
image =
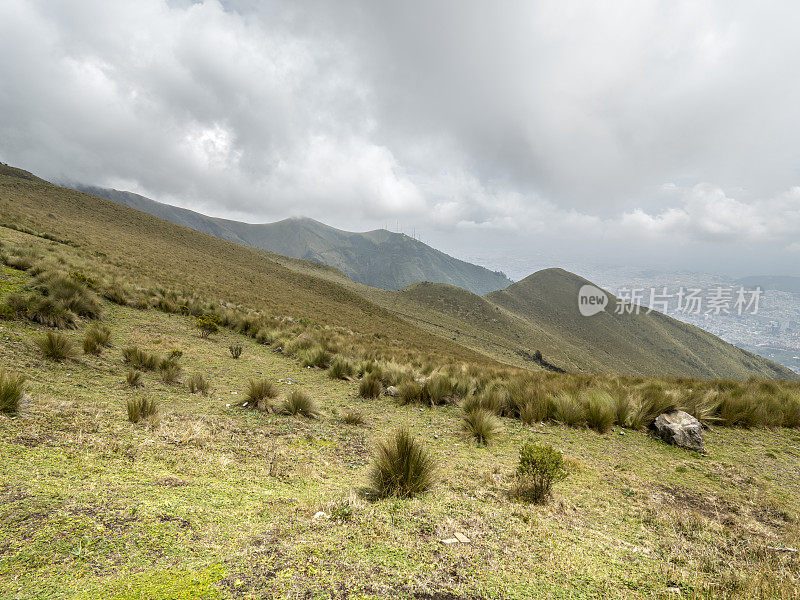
<point x="537" y="314"/>
<point x="377" y="258"/>
<point x="783" y="283"/>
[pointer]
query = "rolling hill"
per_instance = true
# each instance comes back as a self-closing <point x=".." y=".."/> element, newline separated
<point x="378" y="258"/>
<point x="536" y="314"/>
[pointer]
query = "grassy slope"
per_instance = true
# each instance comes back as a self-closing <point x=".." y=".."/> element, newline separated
<point x="151" y="251"/>
<point x="378" y="258"/>
<point x="94" y="507"/>
<point x="540" y="313"/>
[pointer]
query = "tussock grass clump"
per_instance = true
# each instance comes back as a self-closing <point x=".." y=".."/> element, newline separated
<point x="566" y="409"/>
<point x="90" y="346"/>
<point x="71" y="292"/>
<point x="141" y="359"/>
<point x="410" y="392"/>
<point x="12" y="391"/>
<point x="100" y="333"/>
<point x="481" y="425"/>
<point x="370" y="387"/>
<point x="266" y="336"/>
<point x="341" y="368"/>
<point x="599" y="410"/>
<point x="197" y="383"/>
<point x="260" y="393"/>
<point x="653" y="400"/>
<point x="353" y="417"/>
<point x="134" y="378"/>
<point x="539" y="468"/>
<point x="315" y="357"/>
<point x="235" y="350"/>
<point x="299" y="403"/>
<point x="142" y="409"/>
<point x="436" y="390"/>
<point x="170" y="371"/>
<point x="402" y="467"/>
<point x="45" y="311"/>
<point x="56" y="346"/>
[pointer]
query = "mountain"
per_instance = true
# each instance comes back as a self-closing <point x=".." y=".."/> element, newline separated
<point x="538" y="313"/>
<point x="782" y="283"/>
<point x="377" y="258"/>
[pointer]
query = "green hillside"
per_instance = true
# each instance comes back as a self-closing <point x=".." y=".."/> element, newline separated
<point x="377" y="258"/>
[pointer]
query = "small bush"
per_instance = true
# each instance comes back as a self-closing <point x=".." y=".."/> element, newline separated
<point x="170" y="371"/>
<point x="56" y="346"/>
<point x="481" y="425"/>
<point x="353" y="417"/>
<point x="141" y="359"/>
<point x="401" y="467"/>
<point x="134" y="378"/>
<point x="370" y="387"/>
<point x="341" y="368"/>
<point x="599" y="410"/>
<point x="207" y="324"/>
<point x="299" y="403"/>
<point x="175" y="354"/>
<point x="142" y="409"/>
<point x="539" y="468"/>
<point x="260" y="392"/>
<point x="198" y="384"/>
<point x="12" y="390"/>
<point x="235" y="350"/>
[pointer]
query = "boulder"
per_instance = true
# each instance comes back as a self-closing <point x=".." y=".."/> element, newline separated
<point x="392" y="391"/>
<point x="679" y="429"/>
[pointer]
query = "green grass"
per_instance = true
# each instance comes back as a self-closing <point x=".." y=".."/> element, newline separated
<point x="219" y="502"/>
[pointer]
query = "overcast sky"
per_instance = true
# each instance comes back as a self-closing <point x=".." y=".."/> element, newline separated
<point x="631" y="133"/>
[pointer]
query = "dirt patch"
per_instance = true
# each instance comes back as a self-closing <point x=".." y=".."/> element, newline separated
<point x="172" y="482"/>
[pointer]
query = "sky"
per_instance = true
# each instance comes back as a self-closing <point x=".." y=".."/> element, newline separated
<point x="518" y="134"/>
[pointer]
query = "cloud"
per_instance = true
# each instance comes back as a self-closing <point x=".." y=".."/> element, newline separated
<point x="530" y="120"/>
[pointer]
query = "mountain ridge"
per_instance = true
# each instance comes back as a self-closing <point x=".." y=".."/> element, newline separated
<point x="378" y="258"/>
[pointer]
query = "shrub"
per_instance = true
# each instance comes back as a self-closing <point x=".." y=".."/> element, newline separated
<point x="175" y="354"/>
<point x="170" y="370"/>
<point x="299" y="403"/>
<point x="56" y="346"/>
<point x="481" y="425"/>
<point x="235" y="350"/>
<point x="207" y="324"/>
<point x="370" y="387"/>
<point x="401" y="467"/>
<point x="539" y="468"/>
<point x="141" y="359"/>
<point x="353" y="417"/>
<point x="410" y="392"/>
<point x="341" y="368"/>
<point x="198" y="383"/>
<point x="599" y="410"/>
<point x="567" y="410"/>
<point x="142" y="409"/>
<point x="260" y="392"/>
<point x="134" y="378"/>
<point x="12" y="390"/>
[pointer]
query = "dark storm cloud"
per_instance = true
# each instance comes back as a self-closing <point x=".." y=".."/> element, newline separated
<point x="671" y="121"/>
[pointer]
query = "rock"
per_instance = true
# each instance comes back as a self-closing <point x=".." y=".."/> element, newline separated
<point x="392" y="391"/>
<point x="679" y="429"/>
